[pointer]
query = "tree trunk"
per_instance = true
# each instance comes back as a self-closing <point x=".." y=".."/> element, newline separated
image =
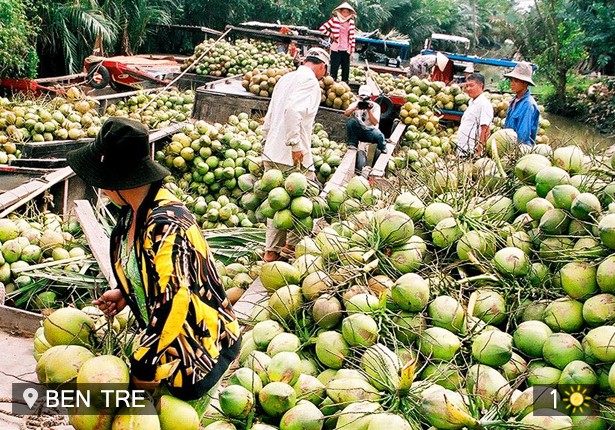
<point x="560" y="88"/>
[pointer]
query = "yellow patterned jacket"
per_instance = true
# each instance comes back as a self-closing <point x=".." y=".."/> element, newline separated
<point x="189" y="320"/>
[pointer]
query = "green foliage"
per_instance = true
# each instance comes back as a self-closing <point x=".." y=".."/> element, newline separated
<point x="596" y="20"/>
<point x="17" y="33"/>
<point x="69" y="29"/>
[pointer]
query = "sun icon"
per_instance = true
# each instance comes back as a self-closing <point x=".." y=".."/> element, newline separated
<point x="577" y="399"/>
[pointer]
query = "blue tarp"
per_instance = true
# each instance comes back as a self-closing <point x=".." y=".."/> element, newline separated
<point x="500" y="62"/>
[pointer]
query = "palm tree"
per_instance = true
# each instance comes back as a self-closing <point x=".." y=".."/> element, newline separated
<point x="68" y="30"/>
<point x="132" y="18"/>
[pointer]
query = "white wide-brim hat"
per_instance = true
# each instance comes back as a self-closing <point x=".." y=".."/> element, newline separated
<point x="345" y="5"/>
<point x="523" y="72"/>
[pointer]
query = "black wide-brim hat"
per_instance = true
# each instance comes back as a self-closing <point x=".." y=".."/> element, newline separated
<point x="119" y="158"/>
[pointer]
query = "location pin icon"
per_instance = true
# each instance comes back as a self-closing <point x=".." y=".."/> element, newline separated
<point x="30" y="395"/>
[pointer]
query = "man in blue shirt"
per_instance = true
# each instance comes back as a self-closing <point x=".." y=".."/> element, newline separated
<point x="522" y="114"/>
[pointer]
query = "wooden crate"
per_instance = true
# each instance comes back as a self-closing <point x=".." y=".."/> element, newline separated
<point x="218" y="100"/>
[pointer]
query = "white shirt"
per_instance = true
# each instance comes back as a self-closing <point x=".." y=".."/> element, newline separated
<point x="479" y="112"/>
<point x="363" y="117"/>
<point x="290" y="118"/>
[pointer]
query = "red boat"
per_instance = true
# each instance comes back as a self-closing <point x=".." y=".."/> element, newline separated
<point x="121" y="73"/>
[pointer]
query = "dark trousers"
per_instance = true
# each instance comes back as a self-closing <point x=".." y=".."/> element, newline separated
<point x="340" y="58"/>
<point x="356" y="132"/>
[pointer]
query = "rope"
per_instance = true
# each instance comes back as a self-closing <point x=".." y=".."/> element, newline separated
<point x="170" y="84"/>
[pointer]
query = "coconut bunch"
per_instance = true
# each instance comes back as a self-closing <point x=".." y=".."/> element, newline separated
<point x="26" y="243"/>
<point x="291" y="202"/>
<point x="336" y="95"/>
<point x="208" y="160"/>
<point x="262" y="82"/>
<point x="28" y="119"/>
<point x="69" y="348"/>
<point x="461" y="308"/>
<point x="327" y="154"/>
<point x="229" y="59"/>
<point x="155" y="109"/>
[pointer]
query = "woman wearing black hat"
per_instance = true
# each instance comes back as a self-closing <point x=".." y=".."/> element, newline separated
<point x="163" y="267"/>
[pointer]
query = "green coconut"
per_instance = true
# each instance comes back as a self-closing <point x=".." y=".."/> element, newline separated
<point x="308" y="263"/>
<point x="445" y="374"/>
<point x="283" y="342"/>
<point x="278" y="199"/>
<point x="565" y="314"/>
<point x="224" y="425"/>
<point x="446" y="409"/>
<point x="578" y="279"/>
<point x="512" y="261"/>
<point x="60" y="364"/>
<point x="315" y="284"/>
<point x="408" y="257"/>
<point x="551" y="248"/>
<point x="283" y="220"/>
<point x="296" y="184"/>
<point x="554" y="221"/>
<point x="446" y="312"/>
<point x="284" y="367"/>
<point x="409" y="326"/>
<point x="362" y="302"/>
<point x="258" y="362"/>
<point x="436" y="212"/>
<point x="446" y="233"/>
<point x="528" y="167"/>
<point x="310" y="388"/>
<point x="104" y="369"/>
<point x="560" y="349"/>
<point x="86" y="417"/>
<point x="522" y="196"/>
<point x="331" y="243"/>
<point x="599" y="344"/>
<point x="360" y="330"/>
<point x="335" y="198"/>
<point x="582" y="422"/>
<point x="331" y="349"/>
<point x="382" y="367"/>
<point x="599" y="310"/>
<point x="271" y="179"/>
<point x="68" y="326"/>
<point x="549" y="177"/>
<point x="276" y="398"/>
<point x="138" y="417"/>
<point x="605" y="275"/>
<point x="356" y="416"/>
<point x="439" y="343"/>
<point x="606" y="230"/>
<point x="487" y="384"/>
<point x="564" y="195"/>
<point x="285" y="302"/>
<point x="247" y="378"/>
<point x="569" y="158"/>
<point x="493" y="348"/>
<point x="547" y="419"/>
<point x="388" y="421"/>
<point x="357" y="186"/>
<point x="306" y="246"/>
<point x="490" y="306"/>
<point x="541" y="374"/>
<point x="578" y="372"/>
<point x="585" y="206"/>
<point x="327" y="311"/>
<point x="349" y="390"/>
<point x="411" y="205"/>
<point x="521" y="240"/>
<point x="537" y="207"/>
<point x="303" y="416"/>
<point x="514" y="368"/>
<point x="393" y="227"/>
<point x="264" y="331"/>
<point x="277" y="274"/>
<point x="411" y="292"/>
<point x="176" y="414"/>
<point x="530" y="337"/>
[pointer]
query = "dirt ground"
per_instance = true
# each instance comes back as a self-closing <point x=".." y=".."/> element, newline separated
<point x="17" y="364"/>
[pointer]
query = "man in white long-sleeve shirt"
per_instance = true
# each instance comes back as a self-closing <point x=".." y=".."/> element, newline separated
<point x="288" y="129"/>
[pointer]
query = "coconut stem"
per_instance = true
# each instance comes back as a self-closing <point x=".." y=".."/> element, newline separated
<point x="496" y="157"/>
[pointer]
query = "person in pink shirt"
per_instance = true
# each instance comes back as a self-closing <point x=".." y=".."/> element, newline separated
<point x="341" y="29"/>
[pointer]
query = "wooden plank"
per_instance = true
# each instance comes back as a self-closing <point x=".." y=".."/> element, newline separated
<point x="381" y="164"/>
<point x="96" y="237"/>
<point x="11" y="200"/>
<point x="343" y="173"/>
<point x="254" y="295"/>
<point x="19" y="321"/>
